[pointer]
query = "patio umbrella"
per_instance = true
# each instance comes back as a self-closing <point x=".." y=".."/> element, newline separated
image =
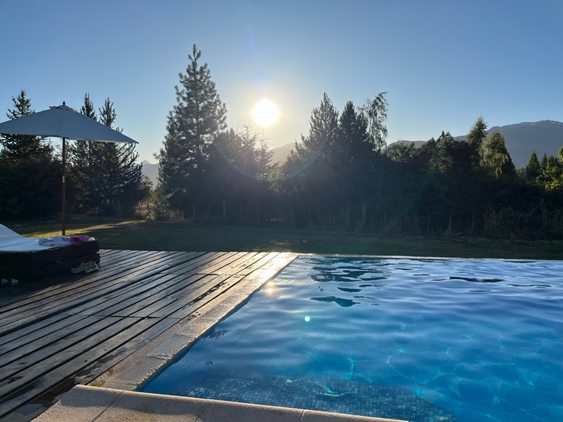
<point x="63" y="122"/>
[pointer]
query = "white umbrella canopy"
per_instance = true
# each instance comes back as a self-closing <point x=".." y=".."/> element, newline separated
<point x="63" y="122"/>
<point x="66" y="123"/>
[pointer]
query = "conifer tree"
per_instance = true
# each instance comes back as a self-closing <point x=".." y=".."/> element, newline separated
<point x="123" y="186"/>
<point x="311" y="174"/>
<point x="476" y="138"/>
<point x="354" y="152"/>
<point x="323" y="133"/>
<point x="354" y="141"/>
<point x="552" y="175"/>
<point x="533" y="168"/>
<point x="21" y="148"/>
<point x="29" y="172"/>
<point x="107" y="178"/>
<point x="83" y="169"/>
<point x="195" y="121"/>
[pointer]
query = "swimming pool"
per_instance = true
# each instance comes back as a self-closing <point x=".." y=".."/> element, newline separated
<point x="416" y="339"/>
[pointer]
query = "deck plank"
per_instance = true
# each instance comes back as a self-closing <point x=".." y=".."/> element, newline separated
<point x="73" y="330"/>
<point x="110" y="282"/>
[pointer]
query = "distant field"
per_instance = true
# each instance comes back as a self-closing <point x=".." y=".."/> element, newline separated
<point x="142" y="235"/>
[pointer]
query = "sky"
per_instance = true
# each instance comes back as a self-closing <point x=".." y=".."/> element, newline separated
<point x="443" y="63"/>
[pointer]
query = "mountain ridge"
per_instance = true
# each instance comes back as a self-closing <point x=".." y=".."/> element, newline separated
<point x="542" y="136"/>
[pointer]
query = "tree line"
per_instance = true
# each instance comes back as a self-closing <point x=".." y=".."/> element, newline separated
<point x="103" y="178"/>
<point x="342" y="175"/>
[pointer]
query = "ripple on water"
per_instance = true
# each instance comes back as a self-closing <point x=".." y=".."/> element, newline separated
<point x="478" y="339"/>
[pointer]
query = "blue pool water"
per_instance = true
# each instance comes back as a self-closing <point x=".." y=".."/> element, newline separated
<point x="416" y="339"/>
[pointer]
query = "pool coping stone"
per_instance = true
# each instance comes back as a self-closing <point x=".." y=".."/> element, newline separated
<point x="85" y="403"/>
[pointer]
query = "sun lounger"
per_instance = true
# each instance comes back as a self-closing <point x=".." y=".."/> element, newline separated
<point x="25" y="259"/>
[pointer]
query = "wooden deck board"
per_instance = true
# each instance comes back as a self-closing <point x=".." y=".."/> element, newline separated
<point x="96" y="287"/>
<point x="73" y="329"/>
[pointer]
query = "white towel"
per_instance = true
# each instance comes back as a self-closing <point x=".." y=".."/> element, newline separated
<point x="10" y="241"/>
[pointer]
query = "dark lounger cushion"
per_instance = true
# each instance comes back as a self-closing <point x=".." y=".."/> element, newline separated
<point x="33" y="265"/>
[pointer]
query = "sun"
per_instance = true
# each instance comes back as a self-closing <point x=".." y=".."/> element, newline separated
<point x="265" y="112"/>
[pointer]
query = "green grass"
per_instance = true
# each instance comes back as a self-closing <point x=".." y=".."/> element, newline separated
<point x="180" y="236"/>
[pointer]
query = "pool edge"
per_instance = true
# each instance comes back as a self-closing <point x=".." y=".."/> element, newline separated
<point x="86" y="403"/>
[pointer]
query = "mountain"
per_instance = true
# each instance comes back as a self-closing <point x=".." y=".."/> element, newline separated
<point x="150" y="170"/>
<point x="543" y="137"/>
<point x="279" y="154"/>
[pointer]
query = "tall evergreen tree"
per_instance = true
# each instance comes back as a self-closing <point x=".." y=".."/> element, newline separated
<point x="533" y="168"/>
<point x="354" y="153"/>
<point x="354" y="142"/>
<point x="83" y="169"/>
<point x="29" y="172"/>
<point x="323" y="133"/>
<point x="552" y="175"/>
<point x="543" y="162"/>
<point x="21" y="148"/>
<point x="107" y="178"/>
<point x="476" y="138"/>
<point x="195" y="121"/>
<point x="123" y="186"/>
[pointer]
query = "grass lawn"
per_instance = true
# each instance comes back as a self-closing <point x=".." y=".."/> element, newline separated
<point x="183" y="236"/>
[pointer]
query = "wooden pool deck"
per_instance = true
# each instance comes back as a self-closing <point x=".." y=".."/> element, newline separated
<point x="76" y="329"/>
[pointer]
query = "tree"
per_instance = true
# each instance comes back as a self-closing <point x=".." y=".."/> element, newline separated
<point x="354" y="153"/>
<point x="309" y="178"/>
<point x="323" y="133"/>
<point x="354" y="143"/>
<point x="533" y="168"/>
<point x="21" y="148"/>
<point x="29" y="173"/>
<point x="495" y="157"/>
<point x="375" y="111"/>
<point x="194" y="122"/>
<point x="106" y="175"/>
<point x="83" y="167"/>
<point x="552" y="175"/>
<point x="476" y="138"/>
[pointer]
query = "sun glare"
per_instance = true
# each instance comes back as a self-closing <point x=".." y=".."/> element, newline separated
<point x="265" y="112"/>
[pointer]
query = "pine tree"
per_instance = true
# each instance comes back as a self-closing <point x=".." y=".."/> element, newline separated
<point x="354" y="141"/>
<point x="323" y="133"/>
<point x="310" y="175"/>
<point x="29" y="175"/>
<point x="123" y="184"/>
<point x="106" y="176"/>
<point x="552" y="175"/>
<point x="476" y="138"/>
<point x="83" y="170"/>
<point x="195" y="121"/>
<point x="543" y="163"/>
<point x="533" y="168"/>
<point x="264" y="164"/>
<point x="354" y="151"/>
<point x="22" y="148"/>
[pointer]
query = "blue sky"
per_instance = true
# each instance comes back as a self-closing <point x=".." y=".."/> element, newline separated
<point x="443" y="63"/>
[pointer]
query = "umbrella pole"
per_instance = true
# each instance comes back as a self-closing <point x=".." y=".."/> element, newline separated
<point x="63" y="192"/>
